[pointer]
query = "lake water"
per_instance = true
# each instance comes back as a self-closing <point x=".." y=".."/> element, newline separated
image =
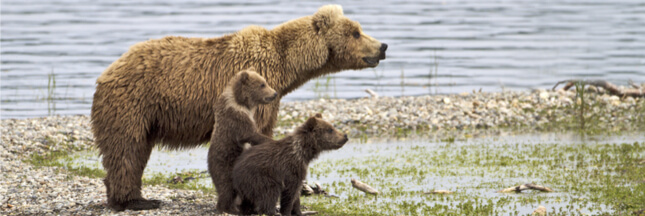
<point x="53" y="51"/>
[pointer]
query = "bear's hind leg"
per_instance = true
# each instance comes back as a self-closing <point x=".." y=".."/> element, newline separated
<point x="265" y="202"/>
<point x="288" y="197"/>
<point x="226" y="199"/>
<point x="220" y="168"/>
<point x="247" y="207"/>
<point x="124" y="163"/>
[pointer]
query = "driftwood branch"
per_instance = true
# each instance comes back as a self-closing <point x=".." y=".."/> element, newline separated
<point x="611" y="88"/>
<point x="364" y="187"/>
<point x="373" y="94"/>
<point x="526" y="186"/>
<point x="314" y="189"/>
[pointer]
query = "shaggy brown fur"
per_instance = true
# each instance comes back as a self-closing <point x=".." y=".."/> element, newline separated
<point x="276" y="169"/>
<point x="163" y="91"/>
<point x="235" y="126"/>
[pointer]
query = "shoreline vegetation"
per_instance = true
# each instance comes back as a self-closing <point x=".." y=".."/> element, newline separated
<point x="34" y="181"/>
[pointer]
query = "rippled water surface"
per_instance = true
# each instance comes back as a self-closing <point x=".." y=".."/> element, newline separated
<point x="53" y="51"/>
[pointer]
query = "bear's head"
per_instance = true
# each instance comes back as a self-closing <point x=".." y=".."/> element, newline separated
<point x="349" y="47"/>
<point x="325" y="135"/>
<point x="252" y="89"/>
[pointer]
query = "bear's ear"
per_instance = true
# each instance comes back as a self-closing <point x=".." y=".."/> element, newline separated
<point x="326" y="17"/>
<point x="244" y="77"/>
<point x="251" y="69"/>
<point x="318" y="115"/>
<point x="310" y="124"/>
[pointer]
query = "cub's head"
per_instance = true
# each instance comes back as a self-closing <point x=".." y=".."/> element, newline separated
<point x="251" y="89"/>
<point x="349" y="46"/>
<point x="325" y="135"/>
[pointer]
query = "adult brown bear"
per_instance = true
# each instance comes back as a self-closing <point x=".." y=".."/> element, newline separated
<point x="163" y="91"/>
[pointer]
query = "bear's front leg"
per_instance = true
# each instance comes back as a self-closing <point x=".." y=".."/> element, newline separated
<point x="290" y="194"/>
<point x="296" y="205"/>
<point x="266" y="116"/>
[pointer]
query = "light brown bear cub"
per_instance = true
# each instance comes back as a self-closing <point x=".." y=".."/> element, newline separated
<point x="276" y="169"/>
<point x="235" y="126"/>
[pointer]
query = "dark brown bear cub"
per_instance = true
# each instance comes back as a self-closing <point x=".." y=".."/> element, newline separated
<point x="235" y="126"/>
<point x="276" y="169"/>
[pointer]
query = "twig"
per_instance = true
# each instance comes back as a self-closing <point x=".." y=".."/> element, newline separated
<point x="526" y="186"/>
<point x="371" y="93"/>
<point x="364" y="187"/>
<point x="631" y="83"/>
<point x="309" y="212"/>
<point x="611" y="88"/>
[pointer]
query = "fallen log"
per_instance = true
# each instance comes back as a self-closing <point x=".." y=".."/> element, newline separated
<point x="526" y="186"/>
<point x="611" y="88"/>
<point x="364" y="187"/>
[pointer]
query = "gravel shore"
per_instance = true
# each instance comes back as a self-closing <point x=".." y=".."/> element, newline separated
<point x="26" y="189"/>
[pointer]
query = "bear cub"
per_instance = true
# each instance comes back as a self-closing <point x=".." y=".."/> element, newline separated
<point x="276" y="169"/>
<point x="235" y="126"/>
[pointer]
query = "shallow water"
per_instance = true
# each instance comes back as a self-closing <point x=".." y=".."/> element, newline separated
<point x="402" y="169"/>
<point x="472" y="44"/>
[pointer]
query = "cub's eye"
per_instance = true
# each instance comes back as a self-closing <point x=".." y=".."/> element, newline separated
<point x="263" y="85"/>
<point x="330" y="130"/>
<point x="357" y="34"/>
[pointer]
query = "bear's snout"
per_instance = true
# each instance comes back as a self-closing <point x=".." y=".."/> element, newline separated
<point x="343" y="141"/>
<point x="273" y="97"/>
<point x="382" y="49"/>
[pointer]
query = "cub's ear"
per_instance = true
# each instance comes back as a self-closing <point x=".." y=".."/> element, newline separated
<point x="244" y="77"/>
<point x="310" y="124"/>
<point x="326" y="16"/>
<point x="251" y="69"/>
<point x="318" y="115"/>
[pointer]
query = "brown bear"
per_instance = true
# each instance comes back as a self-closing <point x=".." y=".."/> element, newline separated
<point x="235" y="126"/>
<point x="276" y="169"/>
<point x="163" y="90"/>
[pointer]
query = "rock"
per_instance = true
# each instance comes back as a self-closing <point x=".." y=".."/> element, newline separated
<point x="540" y="211"/>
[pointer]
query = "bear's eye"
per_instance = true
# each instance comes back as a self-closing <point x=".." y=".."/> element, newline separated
<point x="357" y="34"/>
<point x="263" y="85"/>
<point x="330" y="130"/>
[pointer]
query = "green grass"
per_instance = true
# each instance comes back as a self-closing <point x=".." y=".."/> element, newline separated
<point x="53" y="159"/>
<point x="165" y="180"/>
<point x="65" y="160"/>
<point x="62" y="158"/>
<point x="587" y="178"/>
